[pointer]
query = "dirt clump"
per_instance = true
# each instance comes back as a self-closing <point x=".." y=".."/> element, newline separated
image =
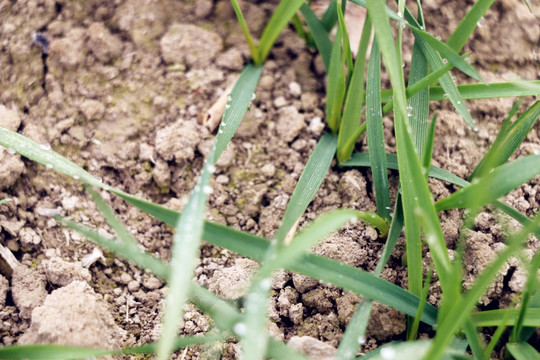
<point x="73" y="315"/>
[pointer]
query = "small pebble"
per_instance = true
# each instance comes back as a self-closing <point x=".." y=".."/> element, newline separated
<point x="295" y="89"/>
<point x="280" y="102"/>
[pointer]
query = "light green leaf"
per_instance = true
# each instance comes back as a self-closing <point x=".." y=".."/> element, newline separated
<point x="523" y="351"/>
<point x="310" y="180"/>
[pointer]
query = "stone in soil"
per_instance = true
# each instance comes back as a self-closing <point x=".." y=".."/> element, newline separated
<point x="27" y="290"/>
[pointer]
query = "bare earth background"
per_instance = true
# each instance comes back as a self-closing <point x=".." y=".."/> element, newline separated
<point x="122" y="93"/>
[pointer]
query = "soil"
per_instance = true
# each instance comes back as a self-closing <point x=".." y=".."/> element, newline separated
<point x="121" y="87"/>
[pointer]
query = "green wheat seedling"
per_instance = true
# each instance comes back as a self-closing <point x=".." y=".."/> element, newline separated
<point x="351" y="96"/>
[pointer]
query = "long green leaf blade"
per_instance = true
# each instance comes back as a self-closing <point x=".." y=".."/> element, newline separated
<point x="448" y="53"/>
<point x="479" y="91"/>
<point x="375" y="134"/>
<point x="280" y="18"/>
<point x="237" y="104"/>
<point x="310" y="180"/>
<point x="320" y="36"/>
<point x="335" y="88"/>
<point x="459" y="37"/>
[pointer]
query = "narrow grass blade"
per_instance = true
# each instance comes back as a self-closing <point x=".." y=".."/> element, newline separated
<point x="42" y="154"/>
<point x="347" y="55"/>
<point x="335" y="88"/>
<point x="247" y="34"/>
<point x="319" y="33"/>
<point x="428" y="146"/>
<point x="459" y="37"/>
<point x="507" y="141"/>
<point x="375" y="134"/>
<point x="419" y="103"/>
<point x="237" y="104"/>
<point x="505" y="317"/>
<point x="523" y="351"/>
<point x="490" y="187"/>
<point x="330" y="18"/>
<point x="184" y="255"/>
<point x="55" y="352"/>
<point x="487" y="91"/>
<point x="445" y="80"/>
<point x="354" y="100"/>
<point x="5" y="201"/>
<point x="310" y="180"/>
<point x="413" y="331"/>
<point x="448" y="54"/>
<point x="383" y="35"/>
<point x="355" y="333"/>
<point x="280" y="18"/>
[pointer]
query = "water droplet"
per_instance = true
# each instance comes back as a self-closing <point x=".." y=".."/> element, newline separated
<point x="361" y="340"/>
<point x="228" y="106"/>
<point x="266" y="283"/>
<point x="445" y="95"/>
<point x="454" y="79"/>
<point x="11" y="151"/>
<point x="229" y="97"/>
<point x="438" y="37"/>
<point x="253" y="96"/>
<point x="445" y="61"/>
<point x="211" y="169"/>
<point x="399" y="14"/>
<point x="402" y="24"/>
<point x="388" y="353"/>
<point x="481" y="22"/>
<point x="458" y="102"/>
<point x="207" y="189"/>
<point x="403" y="64"/>
<point x="223" y="124"/>
<point x="49" y="166"/>
<point x="45" y="146"/>
<point x="240" y="328"/>
<point x="410" y="110"/>
<point x="76" y="177"/>
<point x="475" y="129"/>
<point x="422" y="27"/>
<point x="536" y="151"/>
<point x="220" y="131"/>
<point x="354" y="220"/>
